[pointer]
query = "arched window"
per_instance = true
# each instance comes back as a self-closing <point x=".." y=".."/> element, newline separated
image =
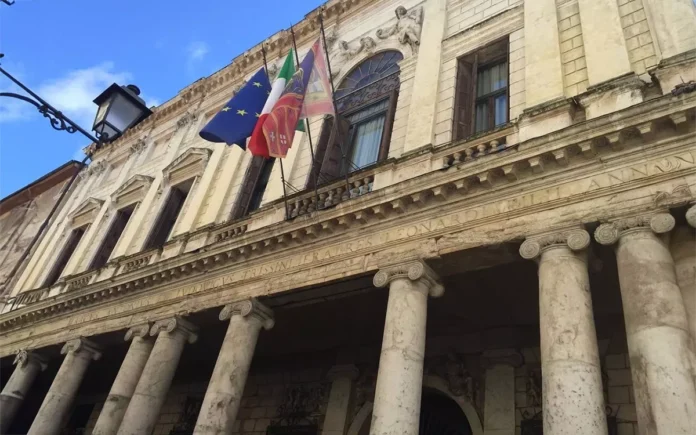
<point x="360" y="134"/>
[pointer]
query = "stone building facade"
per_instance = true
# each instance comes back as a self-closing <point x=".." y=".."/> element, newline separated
<point x="495" y="236"/>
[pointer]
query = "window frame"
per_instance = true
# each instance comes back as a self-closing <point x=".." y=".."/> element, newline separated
<point x="385" y="130"/>
<point x="98" y="254"/>
<point x="63" y="259"/>
<point x="490" y="97"/>
<point x="155" y="228"/>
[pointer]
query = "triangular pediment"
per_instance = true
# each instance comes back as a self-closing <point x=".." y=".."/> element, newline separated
<point x="86" y="212"/>
<point x="132" y="190"/>
<point x="190" y="163"/>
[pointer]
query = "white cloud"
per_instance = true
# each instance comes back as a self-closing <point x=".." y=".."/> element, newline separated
<point x="197" y="50"/>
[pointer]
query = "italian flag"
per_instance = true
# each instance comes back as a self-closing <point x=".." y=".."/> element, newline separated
<point x="257" y="144"/>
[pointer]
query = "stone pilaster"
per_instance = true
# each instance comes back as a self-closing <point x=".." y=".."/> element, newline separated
<point x="27" y="366"/>
<point x="656" y="327"/>
<point x="683" y="248"/>
<point x="78" y="354"/>
<point x="127" y="378"/>
<point x="151" y="391"/>
<point x="543" y="71"/>
<point x="672" y="26"/>
<point x="400" y="377"/>
<point x="499" y="406"/>
<point x="224" y="394"/>
<point x="573" y="400"/>
<point x="342" y="379"/>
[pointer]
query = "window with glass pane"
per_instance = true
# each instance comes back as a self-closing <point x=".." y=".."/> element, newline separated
<point x="365" y="135"/>
<point x="491" y="97"/>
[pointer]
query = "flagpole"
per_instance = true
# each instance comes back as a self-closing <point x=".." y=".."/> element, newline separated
<point x="282" y="171"/>
<point x="333" y="95"/>
<point x="309" y="131"/>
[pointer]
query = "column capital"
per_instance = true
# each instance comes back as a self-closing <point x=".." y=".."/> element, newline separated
<point x="691" y="215"/>
<point x="414" y="271"/>
<point x="25" y="357"/>
<point x="347" y="371"/>
<point x="575" y="238"/>
<point x="141" y="331"/>
<point x="609" y="233"/>
<point x="176" y="324"/>
<point x="249" y="308"/>
<point x="82" y="345"/>
<point x="509" y="357"/>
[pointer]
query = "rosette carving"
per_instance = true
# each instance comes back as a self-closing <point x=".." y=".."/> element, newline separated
<point x="575" y="239"/>
<point x="609" y="233"/>
<point x="25" y="357"/>
<point x="141" y="331"/>
<point x="175" y="325"/>
<point x="413" y="271"/>
<point x="251" y="308"/>
<point x="82" y="345"/>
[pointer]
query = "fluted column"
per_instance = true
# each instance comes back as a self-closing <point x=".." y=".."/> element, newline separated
<point x="28" y="365"/>
<point x="656" y="327"/>
<point x="683" y="247"/>
<point x="151" y="391"/>
<point x="400" y="377"/>
<point x="224" y="394"/>
<point x="127" y="378"/>
<point x="78" y="354"/>
<point x="573" y="400"/>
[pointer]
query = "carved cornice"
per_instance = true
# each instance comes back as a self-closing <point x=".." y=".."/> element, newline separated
<point x="86" y="212"/>
<point x="575" y="239"/>
<point x="609" y="233"/>
<point x="82" y="346"/>
<point x="176" y="325"/>
<point x="414" y="271"/>
<point x="189" y="164"/>
<point x="142" y="331"/>
<point x="691" y="215"/>
<point x="132" y="190"/>
<point x="25" y="357"/>
<point x="251" y="308"/>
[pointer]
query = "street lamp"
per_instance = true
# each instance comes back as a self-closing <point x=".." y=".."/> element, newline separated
<point x="120" y="107"/>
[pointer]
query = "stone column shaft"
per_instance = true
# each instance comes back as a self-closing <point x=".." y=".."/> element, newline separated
<point x="126" y="380"/>
<point x="224" y="394"/>
<point x="27" y="367"/>
<point x="337" y="412"/>
<point x="656" y="327"/>
<point x="54" y="409"/>
<point x="684" y="253"/>
<point x="400" y="376"/>
<point x="151" y="391"/>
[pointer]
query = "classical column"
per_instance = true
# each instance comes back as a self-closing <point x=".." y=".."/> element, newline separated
<point x="656" y="327"/>
<point x="127" y="378"/>
<point x="400" y="377"/>
<point x="573" y="400"/>
<point x="78" y="354"/>
<point x="151" y="391"/>
<point x="224" y="394"/>
<point x="342" y="379"/>
<point x="683" y="247"/>
<point x="499" y="406"/>
<point x="28" y="365"/>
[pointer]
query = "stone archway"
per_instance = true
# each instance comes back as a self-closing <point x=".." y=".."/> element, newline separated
<point x="431" y="384"/>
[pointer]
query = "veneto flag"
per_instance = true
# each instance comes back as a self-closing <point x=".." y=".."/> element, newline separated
<point x="257" y="143"/>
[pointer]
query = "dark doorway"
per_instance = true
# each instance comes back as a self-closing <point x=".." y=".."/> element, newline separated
<point x="441" y="415"/>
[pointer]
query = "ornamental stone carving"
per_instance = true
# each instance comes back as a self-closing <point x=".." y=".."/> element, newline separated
<point x="575" y="239"/>
<point x="139" y="145"/>
<point x="175" y="324"/>
<point x="609" y="233"/>
<point x="691" y="216"/>
<point x="186" y="119"/>
<point x="414" y="271"/>
<point x="249" y="308"/>
<point x="25" y="357"/>
<point x="82" y="345"/>
<point x="141" y="331"/>
<point x="366" y="44"/>
<point x="407" y="27"/>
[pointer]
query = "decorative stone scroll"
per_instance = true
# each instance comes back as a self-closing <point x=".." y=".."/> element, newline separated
<point x="25" y="357"/>
<point x="139" y="145"/>
<point x="175" y="324"/>
<point x="609" y="233"/>
<point x="80" y="345"/>
<point x="414" y="271"/>
<point x="141" y="331"/>
<point x="407" y="27"/>
<point x="575" y="239"/>
<point x="367" y="44"/>
<point x="250" y="307"/>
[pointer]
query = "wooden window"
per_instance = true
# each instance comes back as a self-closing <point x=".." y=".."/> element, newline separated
<point x="251" y="192"/>
<point x="170" y="212"/>
<point x="68" y="249"/>
<point x="112" y="236"/>
<point x="481" y="97"/>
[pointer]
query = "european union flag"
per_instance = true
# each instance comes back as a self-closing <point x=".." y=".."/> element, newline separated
<point x="234" y="123"/>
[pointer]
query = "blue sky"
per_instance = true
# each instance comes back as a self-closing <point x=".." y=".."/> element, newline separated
<point x="68" y="51"/>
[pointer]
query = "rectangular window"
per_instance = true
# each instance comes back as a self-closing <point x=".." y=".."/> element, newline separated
<point x="261" y="184"/>
<point x="481" y="98"/>
<point x="169" y="214"/>
<point x="68" y="249"/>
<point x="253" y="187"/>
<point x="112" y="236"/>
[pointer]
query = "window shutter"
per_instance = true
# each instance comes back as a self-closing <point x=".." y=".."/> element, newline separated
<point x="320" y="152"/>
<point x="246" y="191"/>
<point x="333" y="159"/>
<point x="388" y="125"/>
<point x="464" y="99"/>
